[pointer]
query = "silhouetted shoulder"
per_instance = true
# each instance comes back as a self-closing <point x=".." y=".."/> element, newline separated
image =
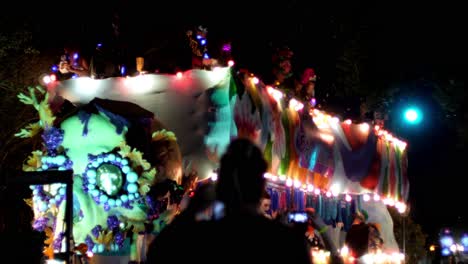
<point x="249" y="239"/>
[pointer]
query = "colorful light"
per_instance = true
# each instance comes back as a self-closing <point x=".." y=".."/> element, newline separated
<point x="255" y="80"/>
<point x="366" y="197"/>
<point x="276" y="94"/>
<point x="213" y="176"/>
<point x="413" y="115"/>
<point x="295" y="104"/>
<point x="446" y="241"/>
<point x="464" y="240"/>
<point x="348" y="198"/>
<point x="376" y="197"/>
<point x="227" y="47"/>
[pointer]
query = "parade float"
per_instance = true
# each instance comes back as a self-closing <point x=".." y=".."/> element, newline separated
<point x="122" y="136"/>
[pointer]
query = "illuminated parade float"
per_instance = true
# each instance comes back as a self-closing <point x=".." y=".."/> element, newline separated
<point x="122" y="136"/>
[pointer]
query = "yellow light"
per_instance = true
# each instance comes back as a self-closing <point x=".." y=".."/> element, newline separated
<point x="432" y="248"/>
<point x="364" y="127"/>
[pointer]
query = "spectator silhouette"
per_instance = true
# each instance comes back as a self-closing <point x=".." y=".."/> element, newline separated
<point x="174" y="243"/>
<point x="74" y="61"/>
<point x="357" y="237"/>
<point x="265" y="206"/>
<point x="243" y="235"/>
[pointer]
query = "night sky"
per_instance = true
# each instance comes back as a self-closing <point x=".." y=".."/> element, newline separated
<point x="404" y="45"/>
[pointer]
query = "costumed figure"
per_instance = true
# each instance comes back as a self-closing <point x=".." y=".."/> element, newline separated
<point x="73" y="64"/>
<point x="283" y="72"/>
<point x="308" y="81"/>
<point x="199" y="46"/>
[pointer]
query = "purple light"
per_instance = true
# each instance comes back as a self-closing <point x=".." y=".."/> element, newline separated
<point x="75" y="56"/>
<point x="53" y="138"/>
<point x="199" y="37"/>
<point x="122" y="70"/>
<point x="99" y="45"/>
<point x="58" y="240"/>
<point x="54" y="68"/>
<point x="119" y="239"/>
<point x="96" y="231"/>
<point x="227" y="47"/>
<point x="313" y="102"/>
<point x="112" y="222"/>
<point x="445" y="252"/>
<point x="74" y="76"/>
<point x="206" y="56"/>
<point x="40" y="224"/>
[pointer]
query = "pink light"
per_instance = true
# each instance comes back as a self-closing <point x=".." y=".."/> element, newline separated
<point x="53" y="78"/>
<point x="366" y="197"/>
<point x="348" y="198"/>
<point x="230" y="63"/>
<point x="348" y="121"/>
<point x="297" y="183"/>
<point x="376" y="197"/>
<point x="46" y="79"/>
<point x="276" y="94"/>
<point x="296" y="105"/>
<point x="313" y="102"/>
<point x="179" y="75"/>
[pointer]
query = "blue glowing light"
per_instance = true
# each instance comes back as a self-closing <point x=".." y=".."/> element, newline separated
<point x="413" y="115"/>
<point x="446" y="241"/>
<point x="445" y="252"/>
<point x="464" y="241"/>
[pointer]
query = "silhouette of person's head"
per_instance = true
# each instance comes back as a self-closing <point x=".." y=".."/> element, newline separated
<point x="241" y="183"/>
